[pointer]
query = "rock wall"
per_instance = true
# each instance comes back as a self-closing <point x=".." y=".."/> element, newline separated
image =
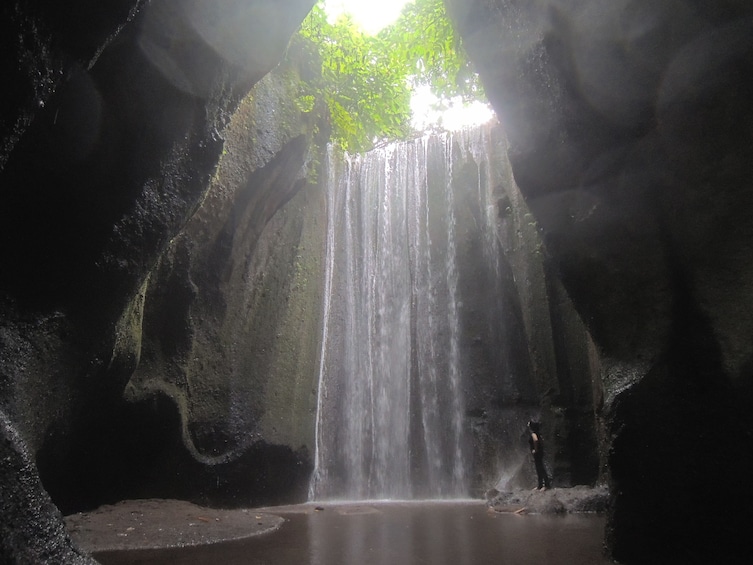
<point x="529" y="354"/>
<point x="226" y="329"/>
<point x="630" y="138"/>
<point x="112" y="125"/>
<point x="233" y="311"/>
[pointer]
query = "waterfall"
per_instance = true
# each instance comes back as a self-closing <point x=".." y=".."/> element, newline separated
<point x="391" y="403"/>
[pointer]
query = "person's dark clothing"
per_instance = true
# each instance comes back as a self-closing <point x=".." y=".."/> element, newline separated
<point x="537" y="449"/>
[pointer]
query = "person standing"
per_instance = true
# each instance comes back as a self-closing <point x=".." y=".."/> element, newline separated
<point x="536" y="445"/>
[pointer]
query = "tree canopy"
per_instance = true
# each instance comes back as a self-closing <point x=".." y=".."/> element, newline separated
<point x="366" y="80"/>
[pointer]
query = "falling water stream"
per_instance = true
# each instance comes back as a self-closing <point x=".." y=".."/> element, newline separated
<point x="390" y="422"/>
<point x="410" y="239"/>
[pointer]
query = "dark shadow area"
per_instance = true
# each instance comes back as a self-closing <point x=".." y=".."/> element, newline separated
<point x="134" y="451"/>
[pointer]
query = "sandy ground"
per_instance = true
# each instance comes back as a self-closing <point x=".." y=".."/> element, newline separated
<point x="158" y="523"/>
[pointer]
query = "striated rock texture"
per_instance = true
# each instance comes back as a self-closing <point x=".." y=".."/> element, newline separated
<point x="631" y="137"/>
<point x="528" y="354"/>
<point x="220" y="407"/>
<point x="112" y="122"/>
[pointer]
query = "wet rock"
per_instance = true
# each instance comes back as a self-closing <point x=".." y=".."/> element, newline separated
<point x="32" y="529"/>
<point x="551" y="501"/>
<point x="111" y="130"/>
<point x="625" y="140"/>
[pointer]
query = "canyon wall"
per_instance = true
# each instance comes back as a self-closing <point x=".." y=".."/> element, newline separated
<point x="529" y="354"/>
<point x="219" y="408"/>
<point x="630" y="130"/>
<point x="112" y="127"/>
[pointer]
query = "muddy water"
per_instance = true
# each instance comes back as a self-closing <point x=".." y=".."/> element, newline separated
<point x="430" y="533"/>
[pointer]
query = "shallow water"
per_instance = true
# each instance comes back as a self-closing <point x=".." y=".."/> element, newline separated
<point x="435" y="533"/>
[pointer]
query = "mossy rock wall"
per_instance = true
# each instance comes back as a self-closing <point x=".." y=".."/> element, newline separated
<point x="233" y="313"/>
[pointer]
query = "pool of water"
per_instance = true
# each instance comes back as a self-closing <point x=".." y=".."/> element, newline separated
<point x="395" y="533"/>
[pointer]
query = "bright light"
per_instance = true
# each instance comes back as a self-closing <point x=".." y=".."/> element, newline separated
<point x="428" y="110"/>
<point x="371" y="15"/>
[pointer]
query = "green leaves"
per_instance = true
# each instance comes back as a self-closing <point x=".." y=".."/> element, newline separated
<point x="305" y="103"/>
<point x="366" y="80"/>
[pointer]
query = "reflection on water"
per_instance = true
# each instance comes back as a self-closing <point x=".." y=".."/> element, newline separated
<point x="435" y="533"/>
<point x="389" y="534"/>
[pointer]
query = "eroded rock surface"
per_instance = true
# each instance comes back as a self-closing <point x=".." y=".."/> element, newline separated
<point x="630" y="138"/>
<point x="33" y="530"/>
<point x="550" y="501"/>
<point x="112" y="126"/>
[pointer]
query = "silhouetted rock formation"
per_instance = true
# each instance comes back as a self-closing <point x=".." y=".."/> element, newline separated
<point x="112" y="119"/>
<point x="631" y="139"/>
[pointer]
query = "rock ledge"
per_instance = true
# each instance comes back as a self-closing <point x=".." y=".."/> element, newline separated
<point x="551" y="501"/>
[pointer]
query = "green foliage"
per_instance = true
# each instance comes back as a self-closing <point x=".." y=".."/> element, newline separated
<point x="366" y="80"/>
<point x="423" y="39"/>
<point x="306" y="102"/>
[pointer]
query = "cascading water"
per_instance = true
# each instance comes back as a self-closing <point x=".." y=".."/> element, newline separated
<point x="390" y="422"/>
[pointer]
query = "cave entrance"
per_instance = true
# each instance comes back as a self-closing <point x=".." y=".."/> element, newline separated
<point x="389" y="71"/>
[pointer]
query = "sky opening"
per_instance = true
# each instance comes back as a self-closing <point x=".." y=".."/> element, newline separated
<point x="370" y="15"/>
<point x="428" y="111"/>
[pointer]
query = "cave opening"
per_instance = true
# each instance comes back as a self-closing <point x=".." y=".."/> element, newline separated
<point x="164" y="226"/>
